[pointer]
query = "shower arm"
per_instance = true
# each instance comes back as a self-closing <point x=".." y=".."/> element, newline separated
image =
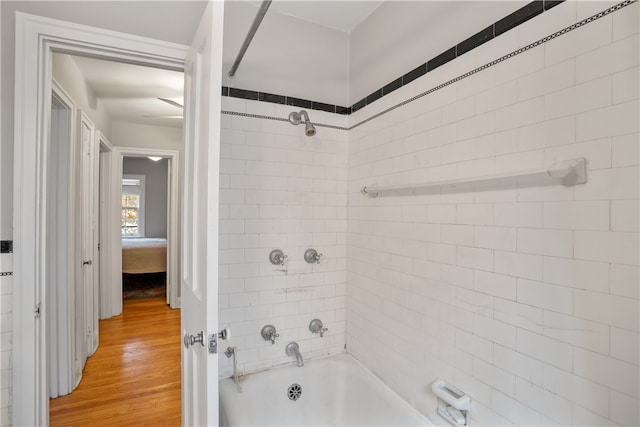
<point x="304" y="114"/>
<point x="296" y="118"/>
<point x="252" y="31"/>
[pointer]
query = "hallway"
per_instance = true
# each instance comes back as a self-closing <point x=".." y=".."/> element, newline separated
<point x="134" y="377"/>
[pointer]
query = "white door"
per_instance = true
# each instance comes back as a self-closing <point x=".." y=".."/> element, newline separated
<point x="85" y="283"/>
<point x="199" y="275"/>
<point x="95" y="242"/>
<point x="88" y="242"/>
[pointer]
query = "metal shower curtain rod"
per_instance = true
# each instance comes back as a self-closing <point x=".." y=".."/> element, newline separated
<point x="252" y="31"/>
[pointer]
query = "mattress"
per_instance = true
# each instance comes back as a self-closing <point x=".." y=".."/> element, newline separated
<point x="144" y="255"/>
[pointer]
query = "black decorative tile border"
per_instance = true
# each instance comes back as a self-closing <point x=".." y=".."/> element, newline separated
<point x="515" y="19"/>
<point x="284" y="100"/>
<point x="503" y="58"/>
<point x="6" y="273"/>
<point x="6" y="246"/>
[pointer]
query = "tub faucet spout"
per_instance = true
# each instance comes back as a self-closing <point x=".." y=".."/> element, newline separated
<point x="293" y="349"/>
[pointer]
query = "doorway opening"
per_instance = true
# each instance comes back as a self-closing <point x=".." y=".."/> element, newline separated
<point x="147" y="268"/>
<point x="118" y="119"/>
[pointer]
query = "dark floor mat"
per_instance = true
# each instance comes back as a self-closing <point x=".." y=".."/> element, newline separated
<point x="148" y="285"/>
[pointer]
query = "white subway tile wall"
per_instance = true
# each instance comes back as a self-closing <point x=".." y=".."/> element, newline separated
<point x="281" y="190"/>
<point x="6" y="338"/>
<point x="525" y="297"/>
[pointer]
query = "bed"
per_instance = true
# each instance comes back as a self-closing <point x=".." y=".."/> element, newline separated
<point x="144" y="255"/>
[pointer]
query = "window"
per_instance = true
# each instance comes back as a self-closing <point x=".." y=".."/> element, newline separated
<point x="132" y="217"/>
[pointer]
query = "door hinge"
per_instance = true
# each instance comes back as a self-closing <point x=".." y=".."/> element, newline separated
<point x="36" y="311"/>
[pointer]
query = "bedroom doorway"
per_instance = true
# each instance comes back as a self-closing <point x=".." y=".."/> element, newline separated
<point x="148" y="224"/>
<point x="149" y="231"/>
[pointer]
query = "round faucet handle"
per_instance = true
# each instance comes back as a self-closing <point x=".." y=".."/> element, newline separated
<point x="269" y="333"/>
<point x="312" y="256"/>
<point x="277" y="257"/>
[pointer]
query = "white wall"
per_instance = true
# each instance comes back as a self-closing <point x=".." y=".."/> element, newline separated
<point x="400" y="35"/>
<point x="288" y="56"/>
<point x="526" y="298"/>
<point x="134" y="135"/>
<point x="68" y="75"/>
<point x="281" y="190"/>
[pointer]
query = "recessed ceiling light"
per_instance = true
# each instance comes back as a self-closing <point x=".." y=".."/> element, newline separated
<point x="154" y="158"/>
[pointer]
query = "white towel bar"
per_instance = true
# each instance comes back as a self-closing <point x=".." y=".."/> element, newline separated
<point x="566" y="172"/>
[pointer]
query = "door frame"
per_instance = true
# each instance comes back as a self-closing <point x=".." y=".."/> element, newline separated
<point x="109" y="231"/>
<point x="173" y="218"/>
<point x="64" y="373"/>
<point x="36" y="38"/>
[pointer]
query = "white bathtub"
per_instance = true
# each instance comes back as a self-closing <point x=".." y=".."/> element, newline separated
<point x="335" y="391"/>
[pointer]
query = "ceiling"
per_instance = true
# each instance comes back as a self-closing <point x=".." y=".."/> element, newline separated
<point x="130" y="92"/>
<point x="339" y="15"/>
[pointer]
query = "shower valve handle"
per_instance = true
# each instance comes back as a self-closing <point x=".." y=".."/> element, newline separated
<point x="277" y="257"/>
<point x="312" y="256"/>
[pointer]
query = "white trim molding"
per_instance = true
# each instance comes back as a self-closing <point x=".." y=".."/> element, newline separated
<point x="36" y="38"/>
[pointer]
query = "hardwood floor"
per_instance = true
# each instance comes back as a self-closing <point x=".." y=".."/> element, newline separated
<point x="134" y="377"/>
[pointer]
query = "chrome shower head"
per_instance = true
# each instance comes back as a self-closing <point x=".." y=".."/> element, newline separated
<point x="295" y="118"/>
<point x="309" y="129"/>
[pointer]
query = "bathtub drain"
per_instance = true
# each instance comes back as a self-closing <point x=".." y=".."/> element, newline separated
<point x="294" y="391"/>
